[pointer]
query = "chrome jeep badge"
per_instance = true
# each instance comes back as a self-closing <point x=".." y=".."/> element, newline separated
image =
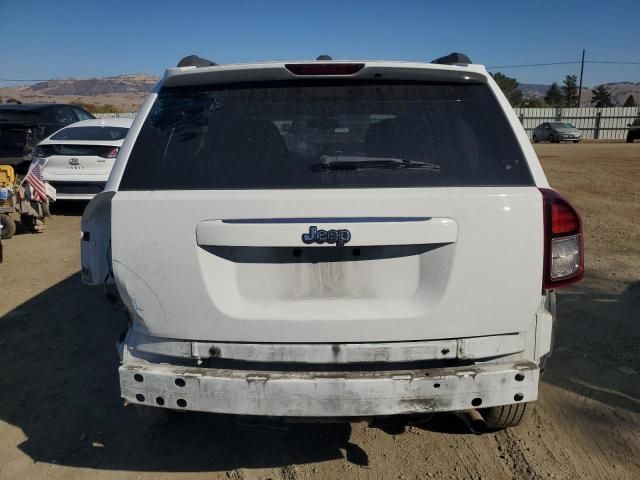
<point x="337" y="237"/>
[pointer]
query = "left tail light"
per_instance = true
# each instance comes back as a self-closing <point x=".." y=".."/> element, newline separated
<point x="563" y="241"/>
<point x="111" y="153"/>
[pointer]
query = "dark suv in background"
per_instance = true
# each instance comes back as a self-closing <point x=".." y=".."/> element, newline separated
<point x="634" y="131"/>
<point x="22" y="126"/>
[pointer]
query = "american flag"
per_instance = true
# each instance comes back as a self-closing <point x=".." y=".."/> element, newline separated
<point x="34" y="178"/>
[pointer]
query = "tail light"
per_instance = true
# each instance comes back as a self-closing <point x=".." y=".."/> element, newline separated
<point x="324" y="68"/>
<point x="563" y="241"/>
<point x="111" y="153"/>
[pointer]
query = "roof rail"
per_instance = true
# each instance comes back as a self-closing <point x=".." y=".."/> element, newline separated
<point x="454" y="58"/>
<point x="195" y="61"/>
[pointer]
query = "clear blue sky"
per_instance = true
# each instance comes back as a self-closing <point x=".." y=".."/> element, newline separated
<point x="68" y="38"/>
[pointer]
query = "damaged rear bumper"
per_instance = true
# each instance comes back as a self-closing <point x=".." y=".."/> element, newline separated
<point x="329" y="394"/>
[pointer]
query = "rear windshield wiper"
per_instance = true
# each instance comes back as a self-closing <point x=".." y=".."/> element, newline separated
<point x="339" y="162"/>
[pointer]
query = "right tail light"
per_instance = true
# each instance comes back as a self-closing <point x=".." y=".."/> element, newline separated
<point x="111" y="153"/>
<point x="563" y="241"/>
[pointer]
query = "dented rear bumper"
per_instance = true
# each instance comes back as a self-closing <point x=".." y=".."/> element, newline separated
<point x="328" y="394"/>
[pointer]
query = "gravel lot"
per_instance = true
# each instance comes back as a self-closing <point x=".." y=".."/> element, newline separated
<point x="61" y="415"/>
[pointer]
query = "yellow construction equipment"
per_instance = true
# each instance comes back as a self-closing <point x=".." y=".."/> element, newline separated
<point x="7" y="175"/>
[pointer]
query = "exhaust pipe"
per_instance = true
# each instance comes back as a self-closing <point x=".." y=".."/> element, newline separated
<point x="473" y="419"/>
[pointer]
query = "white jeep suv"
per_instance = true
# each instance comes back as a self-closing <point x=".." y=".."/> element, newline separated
<point x="332" y="239"/>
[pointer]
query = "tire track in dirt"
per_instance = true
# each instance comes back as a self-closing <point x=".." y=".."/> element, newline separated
<point x="514" y="456"/>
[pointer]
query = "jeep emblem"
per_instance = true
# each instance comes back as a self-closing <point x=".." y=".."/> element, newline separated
<point x="337" y="237"/>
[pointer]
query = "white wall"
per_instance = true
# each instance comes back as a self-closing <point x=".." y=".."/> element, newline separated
<point x="613" y="121"/>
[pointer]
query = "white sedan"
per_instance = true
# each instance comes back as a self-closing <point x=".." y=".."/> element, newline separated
<point x="79" y="157"/>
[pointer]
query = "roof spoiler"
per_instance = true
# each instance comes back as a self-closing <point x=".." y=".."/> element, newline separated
<point x="454" y="58"/>
<point x="195" y="61"/>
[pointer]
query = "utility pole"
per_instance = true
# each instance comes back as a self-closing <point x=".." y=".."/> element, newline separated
<point x="581" y="71"/>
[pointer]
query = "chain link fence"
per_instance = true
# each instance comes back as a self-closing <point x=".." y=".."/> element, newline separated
<point x="115" y="115"/>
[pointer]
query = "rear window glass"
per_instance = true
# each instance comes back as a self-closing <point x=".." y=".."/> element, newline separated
<point x="325" y="135"/>
<point x="18" y="116"/>
<point x="91" y="133"/>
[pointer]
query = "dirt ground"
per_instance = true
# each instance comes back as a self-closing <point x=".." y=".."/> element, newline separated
<point x="61" y="415"/>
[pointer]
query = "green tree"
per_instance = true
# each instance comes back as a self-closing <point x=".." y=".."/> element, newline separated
<point x="553" y="97"/>
<point x="570" y="91"/>
<point x="600" y="97"/>
<point x="509" y="87"/>
<point x="630" y="101"/>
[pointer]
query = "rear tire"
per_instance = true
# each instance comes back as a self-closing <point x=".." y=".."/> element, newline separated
<point x="629" y="138"/>
<point x="535" y="139"/>
<point x="576" y="141"/>
<point x="506" y="416"/>
<point x="8" y="226"/>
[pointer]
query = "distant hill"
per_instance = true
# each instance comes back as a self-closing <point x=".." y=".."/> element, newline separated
<point x="127" y="92"/>
<point x="619" y="92"/>
<point x="124" y="91"/>
<point x="533" y="90"/>
<point x="96" y="86"/>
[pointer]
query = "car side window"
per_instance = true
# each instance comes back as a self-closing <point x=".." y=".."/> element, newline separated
<point x="63" y="115"/>
<point x="81" y="114"/>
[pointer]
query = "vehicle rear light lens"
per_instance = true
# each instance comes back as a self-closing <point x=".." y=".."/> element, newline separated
<point x="111" y="153"/>
<point x="565" y="257"/>
<point x="563" y="219"/>
<point x="563" y="241"/>
<point x="324" y="68"/>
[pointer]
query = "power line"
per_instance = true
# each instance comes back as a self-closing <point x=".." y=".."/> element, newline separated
<point x="607" y="61"/>
<point x="531" y="65"/>
<point x="610" y="62"/>
<point x="564" y="63"/>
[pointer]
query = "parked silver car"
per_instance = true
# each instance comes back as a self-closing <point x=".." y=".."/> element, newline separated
<point x="556" y="132"/>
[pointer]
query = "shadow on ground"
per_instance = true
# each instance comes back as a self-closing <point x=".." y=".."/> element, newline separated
<point x="73" y="208"/>
<point x="60" y="387"/>
<point x="597" y="352"/>
<point x="62" y="208"/>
